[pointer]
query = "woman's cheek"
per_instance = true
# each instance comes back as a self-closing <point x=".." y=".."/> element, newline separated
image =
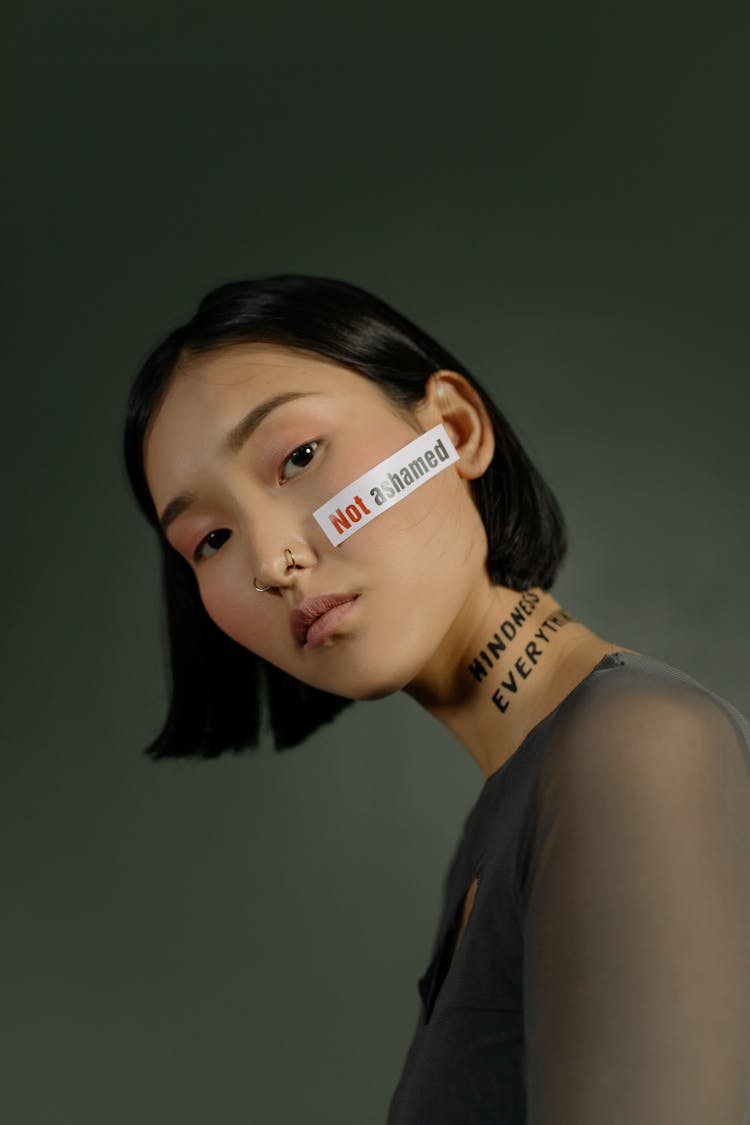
<point x="238" y="618"/>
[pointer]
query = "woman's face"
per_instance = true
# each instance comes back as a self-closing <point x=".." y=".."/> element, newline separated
<point x="411" y="570"/>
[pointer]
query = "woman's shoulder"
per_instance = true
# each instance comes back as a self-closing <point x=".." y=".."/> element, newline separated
<point x="636" y="709"/>
<point x="643" y="752"/>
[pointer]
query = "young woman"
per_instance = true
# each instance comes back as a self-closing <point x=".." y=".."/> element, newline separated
<point x="343" y="513"/>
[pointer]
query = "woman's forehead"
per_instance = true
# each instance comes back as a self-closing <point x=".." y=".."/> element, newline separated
<point x="209" y="393"/>
<point x="214" y="384"/>
<point x="242" y="362"/>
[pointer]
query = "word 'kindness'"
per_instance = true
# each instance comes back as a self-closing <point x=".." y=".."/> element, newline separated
<point x="386" y="484"/>
<point x="507" y="631"/>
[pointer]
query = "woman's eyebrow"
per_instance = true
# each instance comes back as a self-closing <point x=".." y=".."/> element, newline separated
<point x="232" y="444"/>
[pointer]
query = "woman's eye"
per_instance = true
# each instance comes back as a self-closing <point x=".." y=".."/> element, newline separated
<point x="198" y="555"/>
<point x="298" y="459"/>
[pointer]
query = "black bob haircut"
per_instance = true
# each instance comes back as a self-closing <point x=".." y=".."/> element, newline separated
<point x="218" y="687"/>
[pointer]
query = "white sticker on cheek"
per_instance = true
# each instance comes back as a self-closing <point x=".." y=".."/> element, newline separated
<point x="386" y="484"/>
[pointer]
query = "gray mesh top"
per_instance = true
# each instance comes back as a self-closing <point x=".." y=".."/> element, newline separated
<point x="603" y="975"/>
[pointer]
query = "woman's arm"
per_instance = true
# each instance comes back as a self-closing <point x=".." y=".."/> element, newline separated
<point x="637" y="919"/>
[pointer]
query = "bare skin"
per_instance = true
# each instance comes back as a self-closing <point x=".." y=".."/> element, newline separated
<point x="425" y="605"/>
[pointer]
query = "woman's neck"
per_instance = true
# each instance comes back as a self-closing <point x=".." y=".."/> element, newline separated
<point x="508" y="660"/>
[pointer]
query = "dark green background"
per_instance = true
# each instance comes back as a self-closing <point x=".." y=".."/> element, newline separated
<point x="559" y="195"/>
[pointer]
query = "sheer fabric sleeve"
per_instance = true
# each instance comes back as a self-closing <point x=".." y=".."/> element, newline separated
<point x="636" y="916"/>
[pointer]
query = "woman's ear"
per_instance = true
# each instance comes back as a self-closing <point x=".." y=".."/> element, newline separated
<point x="450" y="398"/>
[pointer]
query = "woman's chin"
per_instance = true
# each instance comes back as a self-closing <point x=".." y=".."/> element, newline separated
<point x="377" y="693"/>
<point x="367" y="687"/>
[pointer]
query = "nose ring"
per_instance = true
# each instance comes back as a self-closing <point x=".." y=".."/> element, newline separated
<point x="293" y="564"/>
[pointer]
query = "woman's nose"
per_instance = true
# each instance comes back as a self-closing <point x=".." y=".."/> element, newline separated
<point x="283" y="566"/>
<point x="278" y="552"/>
<point x="277" y="542"/>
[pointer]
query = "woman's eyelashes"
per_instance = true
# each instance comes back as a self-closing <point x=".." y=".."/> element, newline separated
<point x="198" y="554"/>
<point x="298" y="460"/>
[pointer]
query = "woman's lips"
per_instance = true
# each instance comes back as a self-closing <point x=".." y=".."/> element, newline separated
<point x="315" y="619"/>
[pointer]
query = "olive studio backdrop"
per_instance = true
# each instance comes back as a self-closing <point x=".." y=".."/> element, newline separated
<point x="559" y="195"/>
